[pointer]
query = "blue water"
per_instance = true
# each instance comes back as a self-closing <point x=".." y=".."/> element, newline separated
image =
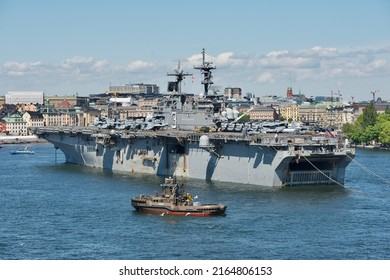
<point x="53" y="210"/>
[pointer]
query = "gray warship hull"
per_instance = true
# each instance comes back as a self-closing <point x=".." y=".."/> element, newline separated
<point x="290" y="160"/>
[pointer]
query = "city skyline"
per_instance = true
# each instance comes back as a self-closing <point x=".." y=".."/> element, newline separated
<point x="262" y="47"/>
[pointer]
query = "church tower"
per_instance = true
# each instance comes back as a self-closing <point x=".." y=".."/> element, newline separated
<point x="289" y="89"/>
<point x="289" y="92"/>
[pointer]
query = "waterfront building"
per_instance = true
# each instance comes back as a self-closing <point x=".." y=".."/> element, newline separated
<point x="56" y="118"/>
<point x="289" y="111"/>
<point x="337" y="116"/>
<point x="33" y="119"/>
<point x="88" y="116"/>
<point x="3" y="127"/>
<point x="130" y="112"/>
<point x="69" y="119"/>
<point x="349" y="114"/>
<point x="232" y="93"/>
<point x="28" y="107"/>
<point x="99" y="98"/>
<point x="65" y="107"/>
<point x="240" y="105"/>
<point x="134" y="89"/>
<point x="380" y="107"/>
<point x="312" y="113"/>
<point x="52" y="118"/>
<point x="147" y="102"/>
<point x="24" y="97"/>
<point x="270" y="100"/>
<point x="262" y="113"/>
<point x="74" y="100"/>
<point x="15" y="125"/>
<point x="326" y="115"/>
<point x="334" y="117"/>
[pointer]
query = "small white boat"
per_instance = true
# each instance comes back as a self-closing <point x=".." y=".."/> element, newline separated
<point x="23" y="151"/>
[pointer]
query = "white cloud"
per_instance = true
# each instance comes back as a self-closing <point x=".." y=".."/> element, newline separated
<point x="228" y="59"/>
<point x="290" y="59"/>
<point x="225" y="59"/>
<point x="75" y="64"/>
<point x="79" y="66"/>
<point x="320" y="63"/>
<point x="319" y="51"/>
<point x="77" y="60"/>
<point x="100" y="65"/>
<point x="378" y="65"/>
<point x="327" y="65"/>
<point x="196" y="59"/>
<point x="13" y="68"/>
<point x="138" y="65"/>
<point x="266" y="77"/>
<point x="277" y="54"/>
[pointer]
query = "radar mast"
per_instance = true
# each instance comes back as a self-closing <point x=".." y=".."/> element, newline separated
<point x="180" y="76"/>
<point x="206" y="68"/>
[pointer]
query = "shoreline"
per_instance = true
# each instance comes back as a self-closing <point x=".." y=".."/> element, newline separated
<point x="370" y="147"/>
<point x="10" y="139"/>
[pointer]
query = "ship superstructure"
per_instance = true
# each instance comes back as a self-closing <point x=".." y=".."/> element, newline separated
<point x="191" y="139"/>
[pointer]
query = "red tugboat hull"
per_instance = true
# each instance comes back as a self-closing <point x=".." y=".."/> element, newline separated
<point x="209" y="210"/>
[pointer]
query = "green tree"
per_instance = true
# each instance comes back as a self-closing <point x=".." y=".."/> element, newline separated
<point x="369" y="126"/>
<point x="371" y="133"/>
<point x="369" y="115"/>
<point x="347" y="128"/>
<point x="357" y="134"/>
<point x="382" y="126"/>
<point x="381" y="118"/>
<point x="384" y="135"/>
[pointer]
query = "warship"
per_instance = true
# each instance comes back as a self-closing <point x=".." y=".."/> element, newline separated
<point x="202" y="138"/>
<point x="174" y="201"/>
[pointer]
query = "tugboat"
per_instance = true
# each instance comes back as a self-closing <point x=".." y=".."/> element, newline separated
<point x="174" y="201"/>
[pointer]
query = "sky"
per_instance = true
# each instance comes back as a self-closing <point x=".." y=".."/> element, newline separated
<point x="261" y="46"/>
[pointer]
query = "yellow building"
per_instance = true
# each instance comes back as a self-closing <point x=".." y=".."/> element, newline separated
<point x="289" y="111"/>
<point x="132" y="112"/>
<point x="147" y="102"/>
<point x="33" y="119"/>
<point x="310" y="113"/>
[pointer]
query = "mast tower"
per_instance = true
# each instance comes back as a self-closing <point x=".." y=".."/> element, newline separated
<point x="180" y="76"/>
<point x="206" y="68"/>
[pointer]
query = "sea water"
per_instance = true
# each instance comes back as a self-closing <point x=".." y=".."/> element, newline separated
<point x="53" y="210"/>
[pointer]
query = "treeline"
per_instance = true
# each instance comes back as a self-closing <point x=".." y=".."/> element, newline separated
<point x="370" y="127"/>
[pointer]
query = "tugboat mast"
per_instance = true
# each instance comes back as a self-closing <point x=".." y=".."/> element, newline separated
<point x="206" y="68"/>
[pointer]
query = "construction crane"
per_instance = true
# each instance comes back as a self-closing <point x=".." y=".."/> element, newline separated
<point x="373" y="95"/>
<point x="340" y="99"/>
